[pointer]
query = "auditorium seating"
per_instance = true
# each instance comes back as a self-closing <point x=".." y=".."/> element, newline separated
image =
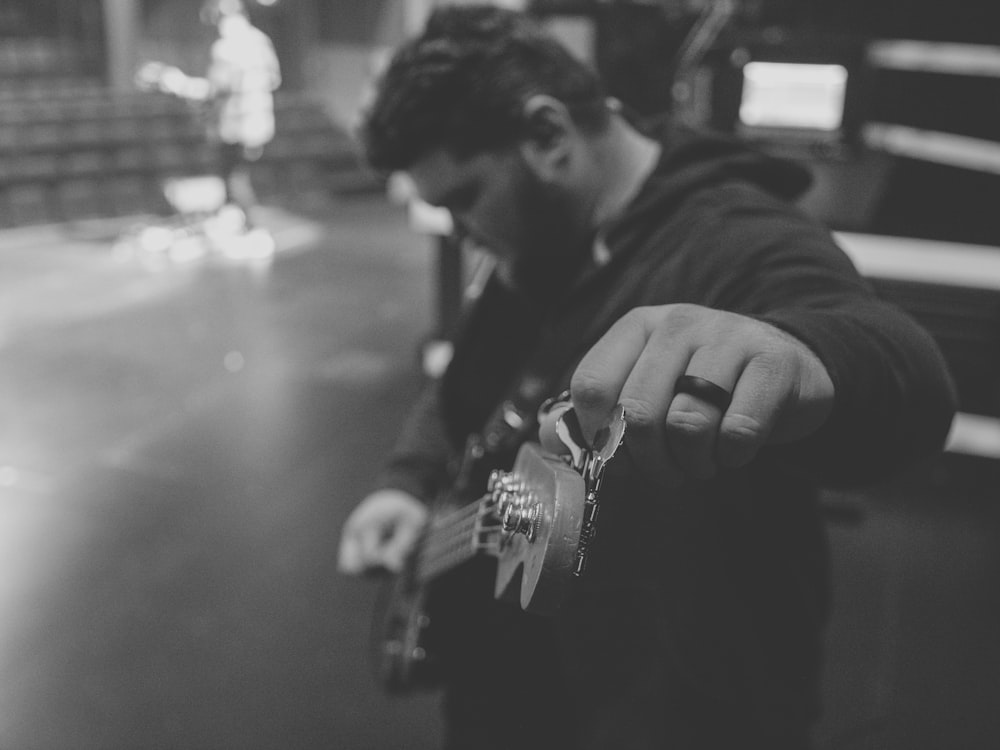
<point x="72" y="149"/>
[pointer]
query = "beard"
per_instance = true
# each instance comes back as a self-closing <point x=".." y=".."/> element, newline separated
<point x="557" y="238"/>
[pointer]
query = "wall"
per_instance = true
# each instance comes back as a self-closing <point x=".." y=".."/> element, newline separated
<point x="355" y="39"/>
<point x="172" y="33"/>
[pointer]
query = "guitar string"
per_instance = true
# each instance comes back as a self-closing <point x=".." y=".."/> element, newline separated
<point x="446" y="560"/>
<point x="447" y="539"/>
<point x="448" y="547"/>
<point x="453" y="516"/>
<point x="429" y="572"/>
<point x="445" y="552"/>
<point x="443" y="532"/>
<point x="453" y="523"/>
<point x="468" y="508"/>
<point x="445" y="535"/>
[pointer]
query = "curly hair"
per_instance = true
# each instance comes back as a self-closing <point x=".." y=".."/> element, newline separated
<point x="462" y="85"/>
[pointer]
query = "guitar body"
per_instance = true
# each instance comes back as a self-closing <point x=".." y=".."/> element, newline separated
<point x="402" y="658"/>
<point x="534" y="571"/>
<point x="402" y="647"/>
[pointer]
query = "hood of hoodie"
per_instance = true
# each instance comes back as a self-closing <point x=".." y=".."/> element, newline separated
<point x="691" y="160"/>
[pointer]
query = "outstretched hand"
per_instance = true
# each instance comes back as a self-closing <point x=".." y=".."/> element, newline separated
<point x="780" y="390"/>
<point x="157" y="76"/>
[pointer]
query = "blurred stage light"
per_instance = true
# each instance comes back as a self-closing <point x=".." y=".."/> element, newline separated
<point x="793" y="95"/>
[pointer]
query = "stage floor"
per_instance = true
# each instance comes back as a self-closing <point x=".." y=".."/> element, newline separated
<point x="181" y="441"/>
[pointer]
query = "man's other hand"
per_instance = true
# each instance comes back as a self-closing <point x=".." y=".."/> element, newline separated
<point x="381" y="532"/>
<point x="780" y="390"/>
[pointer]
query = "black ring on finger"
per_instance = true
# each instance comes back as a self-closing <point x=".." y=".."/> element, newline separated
<point x="704" y="390"/>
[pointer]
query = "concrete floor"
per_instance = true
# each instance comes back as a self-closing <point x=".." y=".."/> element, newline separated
<point x="180" y="444"/>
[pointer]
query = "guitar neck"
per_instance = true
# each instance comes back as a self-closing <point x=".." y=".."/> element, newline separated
<point x="454" y="539"/>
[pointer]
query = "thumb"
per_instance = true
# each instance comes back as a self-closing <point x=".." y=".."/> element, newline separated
<point x="399" y="545"/>
<point x="349" y="557"/>
<point x="547" y="430"/>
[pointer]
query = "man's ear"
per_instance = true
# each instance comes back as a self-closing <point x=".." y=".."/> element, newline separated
<point x="547" y="142"/>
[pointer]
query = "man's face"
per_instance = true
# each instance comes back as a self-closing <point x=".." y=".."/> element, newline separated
<point x="537" y="231"/>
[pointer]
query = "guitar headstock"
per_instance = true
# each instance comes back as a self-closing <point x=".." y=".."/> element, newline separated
<point x="540" y="503"/>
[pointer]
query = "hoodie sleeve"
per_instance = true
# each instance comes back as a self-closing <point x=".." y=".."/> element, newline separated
<point x="895" y="398"/>
<point x="418" y="463"/>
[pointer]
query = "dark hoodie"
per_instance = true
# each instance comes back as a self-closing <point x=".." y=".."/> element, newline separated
<point x="702" y="609"/>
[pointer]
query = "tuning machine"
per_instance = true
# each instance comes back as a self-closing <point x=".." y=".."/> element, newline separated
<point x="590" y="462"/>
<point x="519" y="512"/>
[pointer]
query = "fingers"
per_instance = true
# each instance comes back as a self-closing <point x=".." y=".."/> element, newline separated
<point x="647" y="395"/>
<point x="381" y="532"/>
<point x="599" y="378"/>
<point x="370" y="542"/>
<point x="352" y="554"/>
<point x="635" y="364"/>
<point x="693" y="423"/>
<point x="780" y="390"/>
<point x="547" y="430"/>
<point x="759" y="366"/>
<point x="397" y="547"/>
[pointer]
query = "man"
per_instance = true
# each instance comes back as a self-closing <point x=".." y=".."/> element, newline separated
<point x="628" y="258"/>
<point x="242" y="76"/>
<point x="237" y="91"/>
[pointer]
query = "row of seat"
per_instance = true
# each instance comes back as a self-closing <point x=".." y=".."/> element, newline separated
<point x="164" y="156"/>
<point x="34" y="55"/>
<point x="56" y="100"/>
<point x="100" y="154"/>
<point x="124" y="194"/>
<point x="110" y="124"/>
